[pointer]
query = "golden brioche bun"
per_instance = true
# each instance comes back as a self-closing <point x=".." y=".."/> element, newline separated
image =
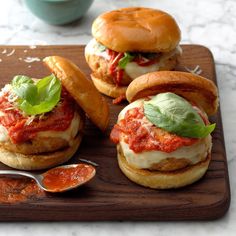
<point x="163" y="179"/>
<point x="39" y="161"/>
<point x="108" y="89"/>
<point x="137" y="29"/>
<point x="194" y="88"/>
<point x="81" y="89"/>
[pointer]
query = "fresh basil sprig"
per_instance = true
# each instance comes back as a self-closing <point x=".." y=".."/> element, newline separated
<point x="176" y="115"/>
<point x="36" y="98"/>
<point x="125" y="60"/>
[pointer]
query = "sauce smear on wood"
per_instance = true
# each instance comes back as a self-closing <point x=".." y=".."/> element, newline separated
<point x="15" y="190"/>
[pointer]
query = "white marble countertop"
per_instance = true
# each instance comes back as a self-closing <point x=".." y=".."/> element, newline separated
<point x="208" y="22"/>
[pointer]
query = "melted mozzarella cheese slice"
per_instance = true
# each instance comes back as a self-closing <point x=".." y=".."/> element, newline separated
<point x="133" y="70"/>
<point x="92" y="49"/>
<point x="3" y="134"/>
<point x="68" y="134"/>
<point x="147" y="159"/>
<point x="137" y="103"/>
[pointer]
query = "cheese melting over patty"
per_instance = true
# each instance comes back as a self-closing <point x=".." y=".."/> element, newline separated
<point x="132" y="69"/>
<point x="146" y="159"/>
<point x="68" y="134"/>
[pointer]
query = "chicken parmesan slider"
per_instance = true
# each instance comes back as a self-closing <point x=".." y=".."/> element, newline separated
<point x="128" y="43"/>
<point x="163" y="136"/>
<point x="42" y="121"/>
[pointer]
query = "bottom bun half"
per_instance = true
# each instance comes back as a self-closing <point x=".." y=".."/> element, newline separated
<point x="161" y="179"/>
<point x="108" y="89"/>
<point x="41" y="161"/>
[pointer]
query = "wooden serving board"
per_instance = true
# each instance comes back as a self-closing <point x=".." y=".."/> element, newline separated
<point x="111" y="196"/>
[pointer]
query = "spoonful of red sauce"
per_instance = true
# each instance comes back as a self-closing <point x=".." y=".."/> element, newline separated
<point x="59" y="179"/>
<point x="64" y="178"/>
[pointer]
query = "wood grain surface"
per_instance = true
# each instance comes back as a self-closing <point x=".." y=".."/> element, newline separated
<point x="111" y="196"/>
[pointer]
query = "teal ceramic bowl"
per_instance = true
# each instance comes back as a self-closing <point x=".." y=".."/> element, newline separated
<point x="58" y="12"/>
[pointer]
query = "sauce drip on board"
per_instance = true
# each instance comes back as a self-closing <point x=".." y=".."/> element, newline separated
<point x="59" y="179"/>
<point x="119" y="99"/>
<point x="15" y="190"/>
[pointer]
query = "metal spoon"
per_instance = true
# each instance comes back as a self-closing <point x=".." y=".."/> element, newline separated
<point x="40" y="177"/>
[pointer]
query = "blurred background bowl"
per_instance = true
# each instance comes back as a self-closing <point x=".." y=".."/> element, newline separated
<point x="58" y="12"/>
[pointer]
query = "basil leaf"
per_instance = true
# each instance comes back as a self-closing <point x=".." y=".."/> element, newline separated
<point x="48" y="87"/>
<point x="100" y="47"/>
<point x="21" y="79"/>
<point x="38" y="98"/>
<point x="125" y="60"/>
<point x="24" y="87"/>
<point x="174" y="114"/>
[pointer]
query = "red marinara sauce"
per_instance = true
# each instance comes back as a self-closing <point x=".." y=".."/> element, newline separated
<point x="19" y="131"/>
<point x="119" y="99"/>
<point x="115" y="71"/>
<point x="59" y="179"/>
<point x="141" y="135"/>
<point x="118" y="73"/>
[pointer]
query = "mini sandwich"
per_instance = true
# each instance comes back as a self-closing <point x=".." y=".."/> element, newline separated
<point x="163" y="136"/>
<point x="42" y="121"/>
<point x="128" y="43"/>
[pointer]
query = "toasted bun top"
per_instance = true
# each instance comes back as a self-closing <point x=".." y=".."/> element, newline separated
<point x="194" y="88"/>
<point x="137" y="29"/>
<point x="81" y="89"/>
